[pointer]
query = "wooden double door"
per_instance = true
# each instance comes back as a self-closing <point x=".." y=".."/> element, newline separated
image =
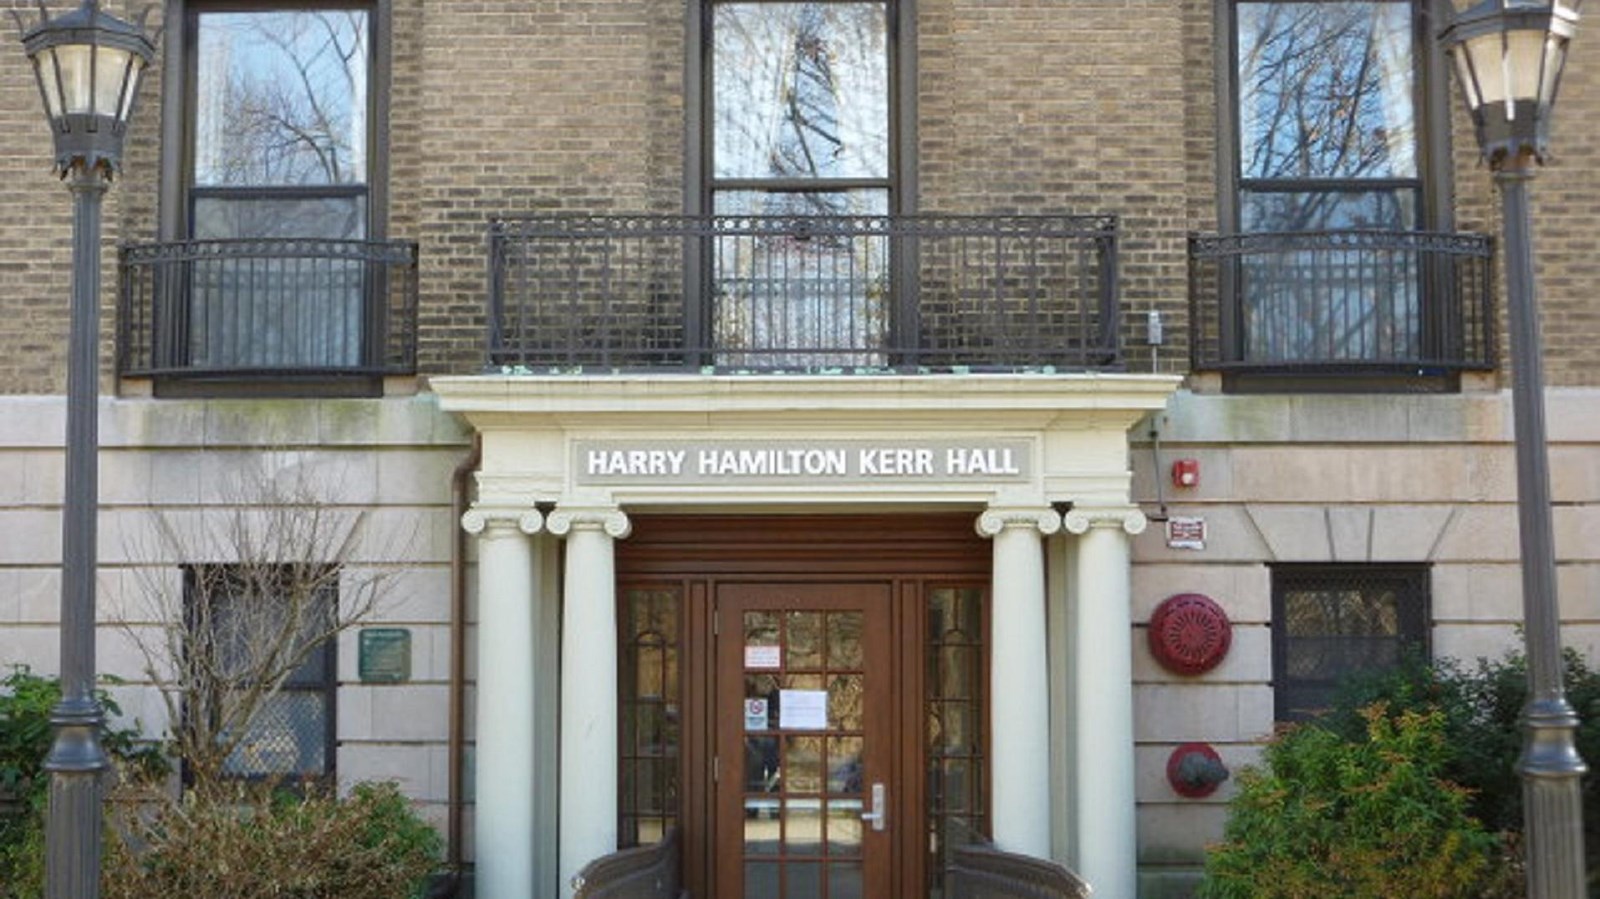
<point x="815" y="725"/>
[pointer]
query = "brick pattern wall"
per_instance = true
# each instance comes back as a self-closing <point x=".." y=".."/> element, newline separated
<point x="511" y="108"/>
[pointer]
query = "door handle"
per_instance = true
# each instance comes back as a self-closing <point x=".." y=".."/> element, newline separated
<point x="879" y="816"/>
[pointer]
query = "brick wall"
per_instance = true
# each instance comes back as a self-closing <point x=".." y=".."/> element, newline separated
<point x="509" y="108"/>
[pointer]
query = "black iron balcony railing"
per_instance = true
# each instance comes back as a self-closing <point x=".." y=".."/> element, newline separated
<point x="814" y="293"/>
<point x="267" y="307"/>
<point x="1398" y="302"/>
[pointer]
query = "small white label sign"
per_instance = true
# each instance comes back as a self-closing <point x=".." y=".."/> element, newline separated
<point x="1186" y="533"/>
<point x="803" y="709"/>
<point x="755" y="714"/>
<point x="763" y="657"/>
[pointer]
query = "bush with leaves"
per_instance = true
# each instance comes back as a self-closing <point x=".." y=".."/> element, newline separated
<point x="1482" y="707"/>
<point x="249" y="842"/>
<point x="1372" y="818"/>
<point x="25" y="736"/>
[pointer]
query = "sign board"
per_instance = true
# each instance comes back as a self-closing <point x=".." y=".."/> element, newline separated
<point x="763" y="657"/>
<point x="803" y="709"/>
<point x="385" y="655"/>
<point x="712" y="462"/>
<point x="755" y="714"/>
<point x="1186" y="533"/>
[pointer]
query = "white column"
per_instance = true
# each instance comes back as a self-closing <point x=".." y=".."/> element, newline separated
<point x="507" y="580"/>
<point x="1102" y="669"/>
<point x="588" y="685"/>
<point x="1019" y="705"/>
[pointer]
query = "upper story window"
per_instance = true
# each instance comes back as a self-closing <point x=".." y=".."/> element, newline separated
<point x="280" y="123"/>
<point x="1336" y="268"/>
<point x="272" y="272"/>
<point x="1331" y="622"/>
<point x="1327" y="116"/>
<point x="800" y="95"/>
<point x="798" y="121"/>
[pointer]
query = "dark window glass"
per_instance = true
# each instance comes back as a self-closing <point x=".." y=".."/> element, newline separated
<point x="957" y="679"/>
<point x="238" y="616"/>
<point x="648" y="798"/>
<point x="1332" y="622"/>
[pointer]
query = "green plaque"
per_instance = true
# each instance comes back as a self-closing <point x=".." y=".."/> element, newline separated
<point x="385" y="655"/>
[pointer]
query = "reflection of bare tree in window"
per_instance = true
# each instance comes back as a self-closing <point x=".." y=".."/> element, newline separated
<point x="281" y="103"/>
<point x="1327" y="142"/>
<point x="280" y="151"/>
<point x="800" y="104"/>
<point x="1326" y="94"/>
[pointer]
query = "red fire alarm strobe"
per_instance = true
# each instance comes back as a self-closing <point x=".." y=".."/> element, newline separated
<point x="1189" y="633"/>
<point x="1186" y="473"/>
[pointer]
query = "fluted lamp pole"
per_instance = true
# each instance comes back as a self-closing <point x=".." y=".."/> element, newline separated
<point x="88" y="65"/>
<point x="1508" y="59"/>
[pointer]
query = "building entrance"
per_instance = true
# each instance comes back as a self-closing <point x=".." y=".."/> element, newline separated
<point x="805" y="699"/>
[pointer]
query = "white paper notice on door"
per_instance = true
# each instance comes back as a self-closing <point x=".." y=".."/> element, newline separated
<point x="763" y="657"/>
<point x="803" y="709"/>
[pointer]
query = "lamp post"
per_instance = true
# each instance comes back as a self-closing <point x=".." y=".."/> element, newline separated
<point x="88" y="65"/>
<point x="1509" y="55"/>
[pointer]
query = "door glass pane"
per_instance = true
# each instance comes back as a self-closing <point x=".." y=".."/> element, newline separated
<point x="801" y="90"/>
<point x="844" y="765"/>
<point x="844" y="880"/>
<point x="844" y="827"/>
<point x="801" y="880"/>
<point x="844" y="639"/>
<point x="762" y="828"/>
<point x="761" y="629"/>
<point x="802" y="826"/>
<point x="761" y="764"/>
<point x="803" y="764"/>
<point x="845" y="697"/>
<point x="761" y="880"/>
<point x="804" y="646"/>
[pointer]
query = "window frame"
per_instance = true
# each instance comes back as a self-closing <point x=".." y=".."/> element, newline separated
<point x="177" y="191"/>
<point x="1435" y="209"/>
<point x="1413" y="582"/>
<point x="327" y="687"/>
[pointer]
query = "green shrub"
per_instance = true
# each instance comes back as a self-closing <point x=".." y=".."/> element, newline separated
<point x="1482" y="709"/>
<point x="249" y="843"/>
<point x="25" y="736"/>
<point x="1371" y="818"/>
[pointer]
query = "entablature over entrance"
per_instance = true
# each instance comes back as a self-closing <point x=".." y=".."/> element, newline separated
<point x="683" y="442"/>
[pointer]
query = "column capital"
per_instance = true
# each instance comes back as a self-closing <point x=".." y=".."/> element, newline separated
<point x="479" y="519"/>
<point x="1081" y="518"/>
<point x="610" y="519"/>
<point x="997" y="518"/>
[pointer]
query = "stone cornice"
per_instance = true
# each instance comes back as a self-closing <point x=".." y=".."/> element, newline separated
<point x="570" y="397"/>
<point x="1081" y="518"/>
